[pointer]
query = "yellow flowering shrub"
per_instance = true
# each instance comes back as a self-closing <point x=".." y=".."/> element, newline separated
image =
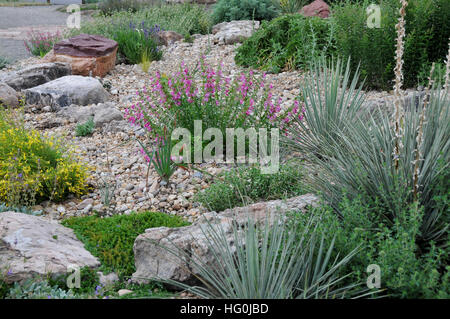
<point x="34" y="166"/>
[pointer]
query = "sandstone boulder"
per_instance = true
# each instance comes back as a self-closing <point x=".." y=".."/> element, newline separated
<point x="88" y="55"/>
<point x="8" y="96"/>
<point x="234" y="31"/>
<point x="73" y="89"/>
<point x="154" y="261"/>
<point x="36" y="75"/>
<point x="32" y="245"/>
<point x="317" y="8"/>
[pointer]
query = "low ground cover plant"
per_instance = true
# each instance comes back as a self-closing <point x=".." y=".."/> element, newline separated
<point x="111" y="239"/>
<point x="35" y="167"/>
<point x="246" y="185"/>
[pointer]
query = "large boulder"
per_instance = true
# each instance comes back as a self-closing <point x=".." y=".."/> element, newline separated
<point x="36" y="75"/>
<point x="154" y="261"/>
<point x="73" y="89"/>
<point x="88" y="55"/>
<point x="317" y="8"/>
<point x="8" y="96"/>
<point x="102" y="113"/>
<point x="234" y="31"/>
<point x="32" y="245"/>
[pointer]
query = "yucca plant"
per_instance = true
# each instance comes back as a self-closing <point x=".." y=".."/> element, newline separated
<point x="271" y="261"/>
<point x="356" y="155"/>
<point x="330" y="98"/>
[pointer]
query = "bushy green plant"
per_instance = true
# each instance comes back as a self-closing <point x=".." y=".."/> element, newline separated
<point x="136" y="41"/>
<point x="288" y="42"/>
<point x="246" y="185"/>
<point x="111" y="239"/>
<point x="86" y="128"/>
<point x="373" y="49"/>
<point x="3" y="62"/>
<point x="36" y="167"/>
<point x="270" y="261"/>
<point x="438" y="76"/>
<point x="229" y="10"/>
<point x="407" y="271"/>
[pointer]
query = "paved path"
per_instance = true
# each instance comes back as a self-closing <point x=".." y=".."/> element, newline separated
<point x="15" y="22"/>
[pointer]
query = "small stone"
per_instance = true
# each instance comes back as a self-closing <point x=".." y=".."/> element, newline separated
<point x="85" y="203"/>
<point x="123" y="292"/>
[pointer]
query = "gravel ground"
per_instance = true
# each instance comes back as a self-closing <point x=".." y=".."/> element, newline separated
<point x="113" y="152"/>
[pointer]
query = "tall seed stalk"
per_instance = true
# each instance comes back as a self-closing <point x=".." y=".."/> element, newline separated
<point x="447" y="69"/>
<point x="398" y="70"/>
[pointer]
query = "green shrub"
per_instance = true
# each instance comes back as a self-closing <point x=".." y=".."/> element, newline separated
<point x="111" y="239"/>
<point x="35" y="167"/>
<point x="426" y="41"/>
<point x="370" y="49"/>
<point x="288" y="42"/>
<point x="270" y="262"/>
<point x="407" y="270"/>
<point x="3" y="62"/>
<point x="86" y="128"/>
<point x="438" y="75"/>
<point x="229" y="10"/>
<point x="247" y="185"/>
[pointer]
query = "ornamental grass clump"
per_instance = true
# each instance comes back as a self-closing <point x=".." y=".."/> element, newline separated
<point x="138" y="40"/>
<point x="40" y="43"/>
<point x="35" y="167"/>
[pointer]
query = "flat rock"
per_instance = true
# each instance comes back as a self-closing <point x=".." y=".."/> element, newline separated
<point x="8" y="96"/>
<point x="234" y="31"/>
<point x="72" y="89"/>
<point x="153" y="261"/>
<point x="36" y="75"/>
<point x="32" y="245"/>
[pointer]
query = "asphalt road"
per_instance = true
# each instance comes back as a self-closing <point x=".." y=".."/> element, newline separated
<point x="15" y="22"/>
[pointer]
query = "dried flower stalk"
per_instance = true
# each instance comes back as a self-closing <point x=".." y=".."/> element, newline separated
<point x="447" y="69"/>
<point x="398" y="95"/>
